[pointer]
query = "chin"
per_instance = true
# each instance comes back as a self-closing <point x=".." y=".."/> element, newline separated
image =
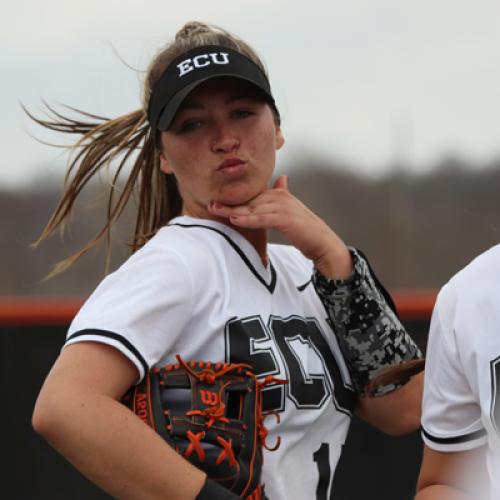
<point x="238" y="196"/>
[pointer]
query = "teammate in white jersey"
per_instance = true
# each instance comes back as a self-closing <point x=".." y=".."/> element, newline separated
<point x="203" y="282"/>
<point x="461" y="406"/>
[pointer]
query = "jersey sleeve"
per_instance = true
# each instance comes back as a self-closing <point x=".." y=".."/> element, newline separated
<point x="364" y="320"/>
<point x="139" y="309"/>
<point x="451" y="417"/>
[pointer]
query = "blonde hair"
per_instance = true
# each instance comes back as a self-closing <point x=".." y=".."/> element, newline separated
<point x="105" y="140"/>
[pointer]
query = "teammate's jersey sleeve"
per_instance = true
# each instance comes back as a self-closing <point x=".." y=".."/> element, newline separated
<point x="140" y="308"/>
<point x="451" y="415"/>
<point x="367" y="328"/>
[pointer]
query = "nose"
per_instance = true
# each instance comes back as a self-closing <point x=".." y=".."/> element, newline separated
<point x="225" y="139"/>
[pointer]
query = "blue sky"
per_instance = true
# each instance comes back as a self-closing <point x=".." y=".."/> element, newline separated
<point x="370" y="82"/>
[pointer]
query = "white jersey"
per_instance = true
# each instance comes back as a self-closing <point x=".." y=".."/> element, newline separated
<point x="199" y="289"/>
<point x="461" y="406"/>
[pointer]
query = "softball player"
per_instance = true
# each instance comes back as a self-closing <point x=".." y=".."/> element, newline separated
<point x="204" y="282"/>
<point x="461" y="406"/>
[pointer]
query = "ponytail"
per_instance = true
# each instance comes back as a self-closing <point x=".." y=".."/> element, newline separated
<point x="102" y="142"/>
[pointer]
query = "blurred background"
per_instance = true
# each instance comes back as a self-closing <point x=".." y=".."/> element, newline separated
<point x="391" y="115"/>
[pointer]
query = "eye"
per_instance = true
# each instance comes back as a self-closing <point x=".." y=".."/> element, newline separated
<point x="189" y="126"/>
<point x="242" y="113"/>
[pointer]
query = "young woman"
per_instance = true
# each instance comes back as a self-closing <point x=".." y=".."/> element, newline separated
<point x="203" y="282"/>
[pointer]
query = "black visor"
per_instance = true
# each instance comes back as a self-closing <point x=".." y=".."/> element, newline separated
<point x="194" y="67"/>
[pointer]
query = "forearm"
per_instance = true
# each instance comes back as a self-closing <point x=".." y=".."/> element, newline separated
<point x="441" y="492"/>
<point x="368" y="331"/>
<point x="397" y="413"/>
<point x="115" y="449"/>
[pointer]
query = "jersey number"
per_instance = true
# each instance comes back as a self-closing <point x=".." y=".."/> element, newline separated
<point x="322" y="458"/>
<point x="249" y="341"/>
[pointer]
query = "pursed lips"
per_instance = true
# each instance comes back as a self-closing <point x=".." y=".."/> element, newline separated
<point x="230" y="164"/>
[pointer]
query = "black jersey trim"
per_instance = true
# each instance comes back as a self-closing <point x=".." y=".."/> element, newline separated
<point x="301" y="288"/>
<point x="271" y="286"/>
<point x="114" y="336"/>
<point x="495" y="394"/>
<point x="464" y="438"/>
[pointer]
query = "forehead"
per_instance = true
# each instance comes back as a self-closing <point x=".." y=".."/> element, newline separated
<point x="225" y="88"/>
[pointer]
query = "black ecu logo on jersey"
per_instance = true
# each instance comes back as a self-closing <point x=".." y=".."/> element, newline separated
<point x="249" y="340"/>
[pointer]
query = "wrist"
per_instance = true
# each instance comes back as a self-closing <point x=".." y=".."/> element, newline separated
<point x="327" y="286"/>
<point x="336" y="263"/>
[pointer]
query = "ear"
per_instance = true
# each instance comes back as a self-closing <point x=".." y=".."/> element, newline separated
<point x="280" y="140"/>
<point x="165" y="164"/>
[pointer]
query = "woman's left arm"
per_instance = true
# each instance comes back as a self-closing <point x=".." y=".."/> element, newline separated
<point x="368" y="331"/>
<point x="397" y="413"/>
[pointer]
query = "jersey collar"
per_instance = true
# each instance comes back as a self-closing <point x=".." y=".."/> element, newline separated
<point x="265" y="274"/>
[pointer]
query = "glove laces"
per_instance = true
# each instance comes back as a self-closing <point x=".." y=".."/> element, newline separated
<point x="209" y="373"/>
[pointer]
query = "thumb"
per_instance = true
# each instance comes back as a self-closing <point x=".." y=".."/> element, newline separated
<point x="281" y="183"/>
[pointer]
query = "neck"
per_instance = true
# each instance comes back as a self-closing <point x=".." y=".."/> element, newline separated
<point x="257" y="237"/>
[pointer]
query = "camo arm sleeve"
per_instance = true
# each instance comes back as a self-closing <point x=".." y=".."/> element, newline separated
<point x="364" y="320"/>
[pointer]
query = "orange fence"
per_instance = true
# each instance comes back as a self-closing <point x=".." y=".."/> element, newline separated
<point x="412" y="304"/>
<point x="38" y="311"/>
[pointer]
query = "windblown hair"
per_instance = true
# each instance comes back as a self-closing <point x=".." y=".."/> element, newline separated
<point x="128" y="139"/>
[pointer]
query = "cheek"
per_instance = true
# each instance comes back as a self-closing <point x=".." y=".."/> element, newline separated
<point x="265" y="147"/>
<point x="183" y="159"/>
<point x="174" y="150"/>
<point x="267" y="140"/>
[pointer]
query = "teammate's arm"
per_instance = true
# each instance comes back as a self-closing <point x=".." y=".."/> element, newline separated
<point x="452" y="475"/>
<point x="78" y="412"/>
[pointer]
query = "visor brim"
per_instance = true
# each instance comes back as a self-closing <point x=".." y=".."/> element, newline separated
<point x="168" y="114"/>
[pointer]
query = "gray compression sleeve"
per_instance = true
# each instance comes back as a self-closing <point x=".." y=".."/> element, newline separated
<point x="368" y="331"/>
